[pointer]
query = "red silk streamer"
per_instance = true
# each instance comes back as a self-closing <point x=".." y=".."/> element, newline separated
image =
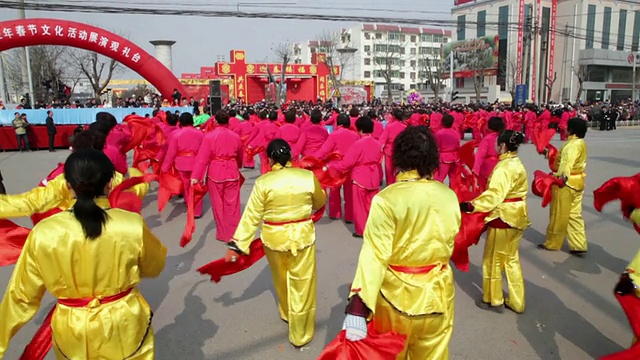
<point x="36" y="218"/>
<point x="541" y="138"/>
<point x="170" y="185"/>
<point x="208" y="126"/>
<point x="251" y="152"/>
<point x="551" y="156"/>
<point x="41" y="342"/>
<point x="139" y="130"/>
<point x="631" y="306"/>
<point x="12" y="239"/>
<point x="542" y="185"/>
<point x="126" y="200"/>
<point x="466" y="153"/>
<point x="624" y="189"/>
<point x="472" y="225"/>
<point x="374" y="347"/>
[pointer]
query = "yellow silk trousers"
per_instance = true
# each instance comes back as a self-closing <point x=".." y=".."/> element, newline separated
<point x="146" y="351"/>
<point x="428" y="336"/>
<point x="501" y="255"/>
<point x="294" y="279"/>
<point x="565" y="219"/>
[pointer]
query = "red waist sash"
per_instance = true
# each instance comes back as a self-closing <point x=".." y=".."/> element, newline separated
<point x="513" y="200"/>
<point x="498" y="223"/>
<point x="219" y="158"/>
<point x="78" y="303"/>
<point x="186" y="153"/>
<point x="415" y="269"/>
<point x="271" y="223"/>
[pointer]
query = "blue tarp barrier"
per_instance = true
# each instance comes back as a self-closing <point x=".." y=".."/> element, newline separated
<point x="79" y="116"/>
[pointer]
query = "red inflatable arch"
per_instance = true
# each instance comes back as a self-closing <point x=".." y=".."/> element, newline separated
<point x="31" y="32"/>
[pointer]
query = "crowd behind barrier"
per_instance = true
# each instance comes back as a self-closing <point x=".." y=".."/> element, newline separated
<point x="78" y="116"/>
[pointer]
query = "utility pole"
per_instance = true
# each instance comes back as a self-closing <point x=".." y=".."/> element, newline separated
<point x="564" y="61"/>
<point x="27" y="81"/>
<point x="451" y="72"/>
<point x="633" y="86"/>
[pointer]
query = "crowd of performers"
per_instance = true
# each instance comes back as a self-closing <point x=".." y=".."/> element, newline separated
<point x="89" y="246"/>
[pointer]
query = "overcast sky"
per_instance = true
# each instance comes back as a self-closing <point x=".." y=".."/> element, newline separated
<point x="200" y="40"/>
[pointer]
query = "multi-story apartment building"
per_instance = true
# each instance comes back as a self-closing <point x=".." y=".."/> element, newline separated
<point x="562" y="50"/>
<point x="380" y="53"/>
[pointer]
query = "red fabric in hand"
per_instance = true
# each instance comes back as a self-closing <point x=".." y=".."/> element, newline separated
<point x="219" y="268"/>
<point x="36" y="218"/>
<point x="541" y="138"/>
<point x="472" y="226"/>
<point x="466" y="153"/>
<point x="41" y="342"/>
<point x="631" y="306"/>
<point x="624" y="189"/>
<point x="374" y="347"/>
<point x="127" y="200"/>
<point x="139" y="130"/>
<point x="542" y="184"/>
<point x="12" y="239"/>
<point x="196" y="193"/>
<point x="169" y="184"/>
<point x="251" y="152"/>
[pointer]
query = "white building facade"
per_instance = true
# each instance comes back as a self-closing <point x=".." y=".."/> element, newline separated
<point x="550" y="45"/>
<point x="370" y="52"/>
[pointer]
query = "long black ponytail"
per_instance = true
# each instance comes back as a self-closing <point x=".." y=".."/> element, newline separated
<point x="89" y="171"/>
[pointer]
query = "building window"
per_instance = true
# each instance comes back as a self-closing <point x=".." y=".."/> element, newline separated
<point x="413" y="63"/>
<point x="636" y="31"/>
<point x="503" y="22"/>
<point x="378" y="36"/>
<point x="413" y="38"/>
<point x="367" y="35"/>
<point x="439" y="39"/>
<point x="591" y="25"/>
<point x="394" y="36"/>
<point x="367" y="48"/>
<point x="367" y="74"/>
<point x="413" y="51"/>
<point x="426" y="38"/>
<point x="461" y="29"/>
<point x="482" y="23"/>
<point x="412" y="76"/>
<point x="401" y="75"/>
<point x="606" y="28"/>
<point x="367" y="61"/>
<point x="622" y="26"/>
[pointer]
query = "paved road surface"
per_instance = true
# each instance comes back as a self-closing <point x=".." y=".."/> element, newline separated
<point x="571" y="312"/>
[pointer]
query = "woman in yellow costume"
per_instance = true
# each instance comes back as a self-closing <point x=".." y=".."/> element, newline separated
<point x="56" y="193"/>
<point x="505" y="201"/>
<point x="284" y="199"/>
<point x="565" y="214"/>
<point x="403" y="280"/>
<point x="91" y="258"/>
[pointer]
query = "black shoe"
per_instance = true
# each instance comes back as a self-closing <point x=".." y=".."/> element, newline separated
<point x="348" y="222"/>
<point x="356" y="236"/>
<point x="197" y="217"/>
<point x="488" y="307"/>
<point x="250" y="167"/>
<point x="52" y="151"/>
<point x="334" y="218"/>
<point x="578" y="253"/>
<point x="542" y="247"/>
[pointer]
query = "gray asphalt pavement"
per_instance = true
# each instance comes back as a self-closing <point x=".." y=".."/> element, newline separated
<point x="571" y="312"/>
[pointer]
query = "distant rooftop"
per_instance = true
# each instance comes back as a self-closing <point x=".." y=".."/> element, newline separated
<point x="404" y="29"/>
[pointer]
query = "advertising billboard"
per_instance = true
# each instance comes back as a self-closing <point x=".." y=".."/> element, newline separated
<point x="461" y="2"/>
<point x="480" y="54"/>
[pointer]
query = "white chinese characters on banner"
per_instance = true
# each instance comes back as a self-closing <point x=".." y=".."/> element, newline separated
<point x="72" y="33"/>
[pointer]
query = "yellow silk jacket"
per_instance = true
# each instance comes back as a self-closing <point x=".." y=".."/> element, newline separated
<point x="282" y="195"/>
<point x="634" y="267"/>
<point x="58" y="258"/>
<point x="412" y="223"/>
<point x="55" y="195"/>
<point x="572" y="162"/>
<point x="508" y="181"/>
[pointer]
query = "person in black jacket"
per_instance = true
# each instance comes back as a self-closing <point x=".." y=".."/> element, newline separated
<point x="51" y="130"/>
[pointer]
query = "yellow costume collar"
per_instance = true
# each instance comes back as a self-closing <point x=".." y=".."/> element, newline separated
<point x="280" y="167"/>
<point x="410" y="175"/>
<point x="507" y="155"/>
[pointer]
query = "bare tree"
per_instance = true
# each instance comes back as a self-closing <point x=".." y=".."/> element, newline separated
<point x="50" y="72"/>
<point x="510" y="73"/>
<point x="431" y="71"/>
<point x="333" y="44"/>
<point x="480" y="60"/>
<point x="97" y="69"/>
<point x="284" y="54"/>
<point x="389" y="59"/>
<point x="581" y="72"/>
<point x="549" y="82"/>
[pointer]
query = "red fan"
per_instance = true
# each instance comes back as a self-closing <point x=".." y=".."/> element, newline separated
<point x="12" y="239"/>
<point x="542" y="185"/>
<point x="631" y="307"/>
<point x="170" y="184"/>
<point x="374" y="347"/>
<point x="472" y="225"/>
<point x="466" y="153"/>
<point x="127" y="200"/>
<point x="219" y="268"/>
<point x="542" y="138"/>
